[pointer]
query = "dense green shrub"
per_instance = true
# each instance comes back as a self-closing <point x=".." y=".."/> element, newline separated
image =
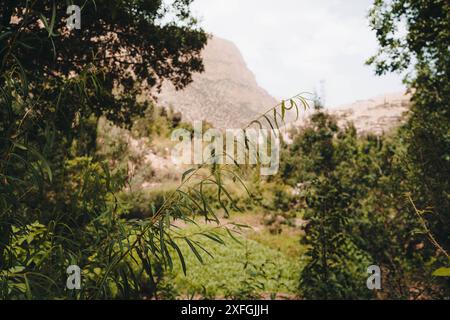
<point x="58" y="203"/>
<point x="353" y="191"/>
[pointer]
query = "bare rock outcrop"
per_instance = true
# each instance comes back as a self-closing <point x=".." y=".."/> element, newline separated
<point x="226" y="94"/>
<point x="377" y="115"/>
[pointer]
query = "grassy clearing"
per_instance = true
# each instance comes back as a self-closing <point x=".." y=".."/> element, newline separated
<point x="260" y="265"/>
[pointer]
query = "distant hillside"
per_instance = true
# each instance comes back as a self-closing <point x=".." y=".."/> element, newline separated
<point x="376" y="115"/>
<point x="226" y="94"/>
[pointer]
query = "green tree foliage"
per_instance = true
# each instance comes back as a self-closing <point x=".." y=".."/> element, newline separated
<point x="122" y="45"/>
<point x="383" y="200"/>
<point x="335" y="263"/>
<point x="352" y="190"/>
<point x="422" y="51"/>
<point x="58" y="203"/>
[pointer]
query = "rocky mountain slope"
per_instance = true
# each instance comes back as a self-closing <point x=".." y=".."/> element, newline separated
<point x="226" y="94"/>
<point x="376" y="115"/>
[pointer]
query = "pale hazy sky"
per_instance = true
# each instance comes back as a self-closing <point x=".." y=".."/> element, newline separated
<point x="292" y="45"/>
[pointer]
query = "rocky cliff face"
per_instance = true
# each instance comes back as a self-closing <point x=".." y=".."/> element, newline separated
<point x="226" y="94"/>
<point x="377" y="115"/>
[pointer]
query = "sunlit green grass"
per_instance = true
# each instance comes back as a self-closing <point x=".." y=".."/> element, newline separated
<point x="243" y="269"/>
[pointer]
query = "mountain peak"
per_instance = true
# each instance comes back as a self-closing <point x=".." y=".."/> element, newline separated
<point x="226" y="94"/>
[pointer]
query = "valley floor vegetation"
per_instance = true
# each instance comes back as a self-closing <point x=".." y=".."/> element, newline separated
<point x="84" y="178"/>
